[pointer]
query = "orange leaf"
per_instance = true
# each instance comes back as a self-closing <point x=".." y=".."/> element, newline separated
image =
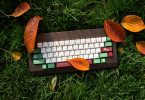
<point x="80" y="64"/>
<point x="133" y="23"/>
<point x="30" y="33"/>
<point x="140" y="45"/>
<point x="115" y="32"/>
<point x="21" y="9"/>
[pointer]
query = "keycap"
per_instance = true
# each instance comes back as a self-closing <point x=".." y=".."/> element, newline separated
<point x="103" y="60"/>
<point x="64" y="48"/>
<point x="43" y="50"/>
<point x="51" y="65"/>
<point x="50" y="44"/>
<point x="106" y="49"/>
<point x="103" y="55"/>
<point x="44" y="66"/>
<point x="95" y="61"/>
<point x="45" y="44"/>
<point x="39" y="61"/>
<point x="110" y="54"/>
<point x="37" y="56"/>
<point x="37" y="51"/>
<point x="48" y="49"/>
<point x="108" y="44"/>
<point x="39" y="45"/>
<point x="101" y="44"/>
<point x="48" y="60"/>
<point x="44" y="55"/>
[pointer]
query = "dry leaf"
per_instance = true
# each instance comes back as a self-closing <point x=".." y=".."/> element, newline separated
<point x="16" y="55"/>
<point x="114" y="31"/>
<point x="21" y="9"/>
<point x="133" y="23"/>
<point x="53" y="83"/>
<point x="140" y="45"/>
<point x="121" y="50"/>
<point x="80" y="64"/>
<point x="31" y="32"/>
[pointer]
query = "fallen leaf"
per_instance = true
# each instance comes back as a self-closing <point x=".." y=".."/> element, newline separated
<point x="21" y="9"/>
<point x="133" y="23"/>
<point x="140" y="45"/>
<point x="53" y="83"/>
<point x="80" y="64"/>
<point x="115" y="32"/>
<point x="31" y="32"/>
<point x="121" y="50"/>
<point x="16" y="55"/>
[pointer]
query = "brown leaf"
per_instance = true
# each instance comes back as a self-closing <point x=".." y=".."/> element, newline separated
<point x="140" y="45"/>
<point x="133" y="23"/>
<point x="16" y="55"/>
<point x="80" y="64"/>
<point x="21" y="9"/>
<point x="31" y="32"/>
<point x="115" y="32"/>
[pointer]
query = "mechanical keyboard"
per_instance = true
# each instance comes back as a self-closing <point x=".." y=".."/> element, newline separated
<point x="54" y="48"/>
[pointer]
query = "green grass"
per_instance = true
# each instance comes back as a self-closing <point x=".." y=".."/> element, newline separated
<point x="124" y="83"/>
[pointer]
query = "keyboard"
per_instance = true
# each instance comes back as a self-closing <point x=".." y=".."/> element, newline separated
<point x="54" y="48"/>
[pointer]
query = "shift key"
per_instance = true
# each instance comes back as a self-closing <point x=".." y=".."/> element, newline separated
<point x="39" y="61"/>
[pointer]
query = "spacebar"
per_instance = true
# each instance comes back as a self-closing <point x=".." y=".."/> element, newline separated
<point x="67" y="64"/>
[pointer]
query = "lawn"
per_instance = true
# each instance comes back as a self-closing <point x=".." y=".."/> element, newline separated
<point x="126" y="82"/>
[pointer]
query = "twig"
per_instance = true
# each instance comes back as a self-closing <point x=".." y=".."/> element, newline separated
<point x="4" y="14"/>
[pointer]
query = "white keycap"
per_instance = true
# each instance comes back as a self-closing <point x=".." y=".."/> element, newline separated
<point x="64" y="48"/>
<point x="91" y="45"/>
<point x="54" y="49"/>
<point x="69" y="57"/>
<point x="39" y="45"/>
<point x="59" y="48"/>
<point x="83" y="41"/>
<point x="98" y="50"/>
<point x="93" y="40"/>
<point x="59" y="59"/>
<point x="72" y="42"/>
<point x="88" y="40"/>
<point x="45" y="44"/>
<point x="96" y="45"/>
<point x="93" y="51"/>
<point x="81" y="46"/>
<point x="86" y="46"/>
<point x="88" y="51"/>
<point x="61" y="54"/>
<point x="50" y="44"/>
<point x="66" y="53"/>
<point x="72" y="53"/>
<point x="48" y="61"/>
<point x="49" y="55"/>
<point x="56" y="54"/>
<point x="77" y="52"/>
<point x="82" y="51"/>
<point x="91" y="56"/>
<point x="74" y="57"/>
<point x="44" y="55"/>
<point x="99" y="39"/>
<point x="56" y="43"/>
<point x="75" y="47"/>
<point x="70" y="47"/>
<point x="96" y="55"/>
<point x="86" y="57"/>
<point x="103" y="39"/>
<point x="101" y="44"/>
<point x="48" y="49"/>
<point x="53" y="60"/>
<point x="81" y="56"/>
<point x="43" y="50"/>
<point x="66" y="42"/>
<point x="77" y="41"/>
<point x="64" y="58"/>
<point x="61" y="43"/>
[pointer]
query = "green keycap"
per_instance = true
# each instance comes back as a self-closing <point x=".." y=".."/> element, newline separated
<point x="108" y="44"/>
<point x="51" y="65"/>
<point x="39" y="61"/>
<point x="35" y="56"/>
<point x="103" y="55"/>
<point x="44" y="66"/>
<point x="108" y="39"/>
<point x="95" y="61"/>
<point x="37" y="51"/>
<point x="40" y="56"/>
<point x="103" y="60"/>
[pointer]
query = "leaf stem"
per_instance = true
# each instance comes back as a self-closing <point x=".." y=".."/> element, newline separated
<point x="4" y="14"/>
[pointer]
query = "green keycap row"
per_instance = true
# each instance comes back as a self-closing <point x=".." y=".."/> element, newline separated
<point x="98" y="60"/>
<point x="47" y="66"/>
<point x="37" y="56"/>
<point x="39" y="61"/>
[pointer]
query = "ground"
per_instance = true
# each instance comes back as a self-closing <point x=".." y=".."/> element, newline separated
<point x="125" y="82"/>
